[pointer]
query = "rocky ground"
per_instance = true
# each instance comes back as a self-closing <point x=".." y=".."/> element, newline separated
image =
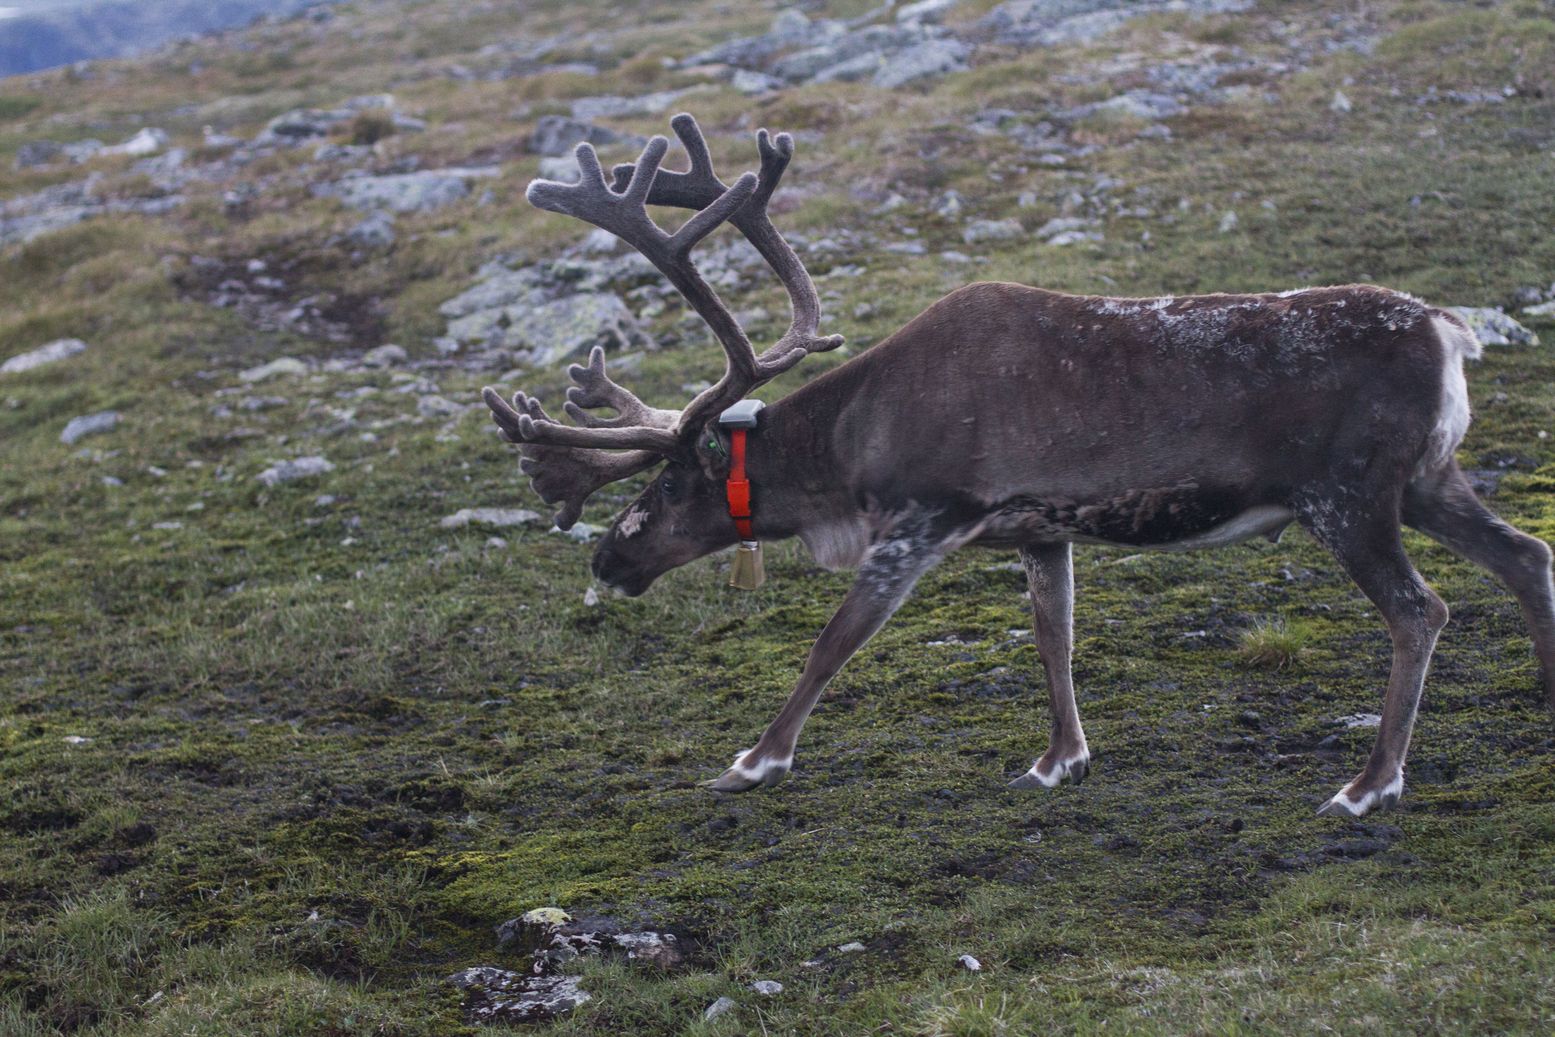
<point x="311" y="723"/>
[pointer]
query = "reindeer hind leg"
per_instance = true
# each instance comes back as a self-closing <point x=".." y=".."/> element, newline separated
<point x="1445" y="508"/>
<point x="1050" y="575"/>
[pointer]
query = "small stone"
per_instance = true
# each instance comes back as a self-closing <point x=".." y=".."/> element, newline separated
<point x="59" y="349"/>
<point x="286" y="365"/>
<point x="148" y="141"/>
<point x="718" y="1008"/>
<point x="297" y="468"/>
<point x="851" y="948"/>
<point x="948" y="204"/>
<point x="496" y="543"/>
<point x="969" y="963"/>
<point x="88" y="425"/>
<point x="1361" y="720"/>
<point x="767" y="987"/>
<point x="591" y="598"/>
<point x="1544" y="309"/>
<point x="376" y="231"/>
<point x="1228" y="221"/>
<point x="387" y="355"/>
<point x="556" y="135"/>
<point x="501" y="518"/>
<point x="77" y="740"/>
<point x="1340" y="104"/>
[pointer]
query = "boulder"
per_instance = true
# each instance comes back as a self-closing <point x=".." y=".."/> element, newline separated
<point x="89" y="425"/>
<point x="557" y="135"/>
<point x="59" y="349"/>
<point x="387" y="355"/>
<point x="421" y="191"/>
<point x="923" y="61"/>
<point x="557" y="330"/>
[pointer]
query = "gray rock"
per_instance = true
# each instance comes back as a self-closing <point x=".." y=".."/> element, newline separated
<point x="148" y="141"/>
<point x="991" y="230"/>
<point x="557" y="135"/>
<point x="767" y="987"/>
<point x="720" y="1007"/>
<point x="38" y="153"/>
<point x="851" y="948"/>
<point x="494" y="995"/>
<point x="1360" y="720"/>
<point x="1493" y="327"/>
<point x="434" y="406"/>
<point x="1049" y="23"/>
<point x="1544" y="309"/>
<point x="287" y="365"/>
<point x="387" y="355"/>
<point x="292" y="470"/>
<point x="499" y="518"/>
<point x="59" y="349"/>
<point x="580" y="532"/>
<point x="948" y="204"/>
<point x="923" y="61"/>
<point x="376" y="231"/>
<point x="1228" y="222"/>
<point x="421" y="191"/>
<point x="1340" y="105"/>
<point x="88" y="425"/>
<point x="969" y="963"/>
<point x="852" y="70"/>
<point x="587" y="109"/>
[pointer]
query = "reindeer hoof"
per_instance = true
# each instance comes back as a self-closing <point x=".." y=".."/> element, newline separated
<point x="1355" y="800"/>
<point x="748" y="772"/>
<point x="1046" y="774"/>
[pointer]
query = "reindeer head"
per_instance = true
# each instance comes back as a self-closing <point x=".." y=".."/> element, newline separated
<point x="681" y="516"/>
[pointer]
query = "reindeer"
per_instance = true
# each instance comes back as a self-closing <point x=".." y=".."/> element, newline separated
<point x="1010" y="416"/>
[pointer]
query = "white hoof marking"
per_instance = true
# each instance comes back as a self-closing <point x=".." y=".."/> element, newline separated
<point x="1357" y="806"/>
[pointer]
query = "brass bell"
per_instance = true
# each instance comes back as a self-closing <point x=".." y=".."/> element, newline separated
<point x="747" y="573"/>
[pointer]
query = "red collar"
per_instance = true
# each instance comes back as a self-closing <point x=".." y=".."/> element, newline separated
<point x="738" y="488"/>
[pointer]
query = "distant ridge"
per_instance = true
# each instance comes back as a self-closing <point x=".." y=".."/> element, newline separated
<point x="31" y="40"/>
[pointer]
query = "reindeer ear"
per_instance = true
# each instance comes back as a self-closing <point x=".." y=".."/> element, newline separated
<point x="712" y="452"/>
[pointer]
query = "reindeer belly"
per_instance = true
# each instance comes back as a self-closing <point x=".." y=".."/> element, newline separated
<point x="1171" y="518"/>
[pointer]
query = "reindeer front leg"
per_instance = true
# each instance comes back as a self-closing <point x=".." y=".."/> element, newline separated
<point x="1050" y="575"/>
<point x="886" y="578"/>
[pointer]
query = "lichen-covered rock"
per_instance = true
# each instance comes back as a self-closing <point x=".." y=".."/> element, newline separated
<point x="722" y="1006"/>
<point x="493" y="995"/>
<point x="59" y="349"/>
<point x="1494" y="328"/>
<point x="386" y="355"/>
<point x="294" y="469"/>
<point x="558" y="330"/>
<point x="376" y="231"/>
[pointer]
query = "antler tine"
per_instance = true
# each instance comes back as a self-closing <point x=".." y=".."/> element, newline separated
<point x="594" y="389"/>
<point x="698" y="186"/>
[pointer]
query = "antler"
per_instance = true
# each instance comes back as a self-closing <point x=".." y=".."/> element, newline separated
<point x="570" y="461"/>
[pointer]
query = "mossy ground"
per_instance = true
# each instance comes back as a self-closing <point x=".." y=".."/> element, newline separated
<point x="280" y="769"/>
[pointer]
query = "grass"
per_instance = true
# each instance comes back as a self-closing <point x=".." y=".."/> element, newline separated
<point x="1275" y="644"/>
<point x="282" y="767"/>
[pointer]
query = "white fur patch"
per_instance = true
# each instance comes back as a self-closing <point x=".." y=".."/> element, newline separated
<point x="1452" y="414"/>
<point x="1370" y="799"/>
<point x="1060" y="771"/>
<point x="761" y="767"/>
<point x="632" y="522"/>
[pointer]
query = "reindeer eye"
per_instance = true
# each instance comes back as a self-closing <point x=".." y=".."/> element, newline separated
<point x="668" y="486"/>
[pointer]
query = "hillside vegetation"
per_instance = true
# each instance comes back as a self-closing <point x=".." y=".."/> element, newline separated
<point x="287" y="733"/>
